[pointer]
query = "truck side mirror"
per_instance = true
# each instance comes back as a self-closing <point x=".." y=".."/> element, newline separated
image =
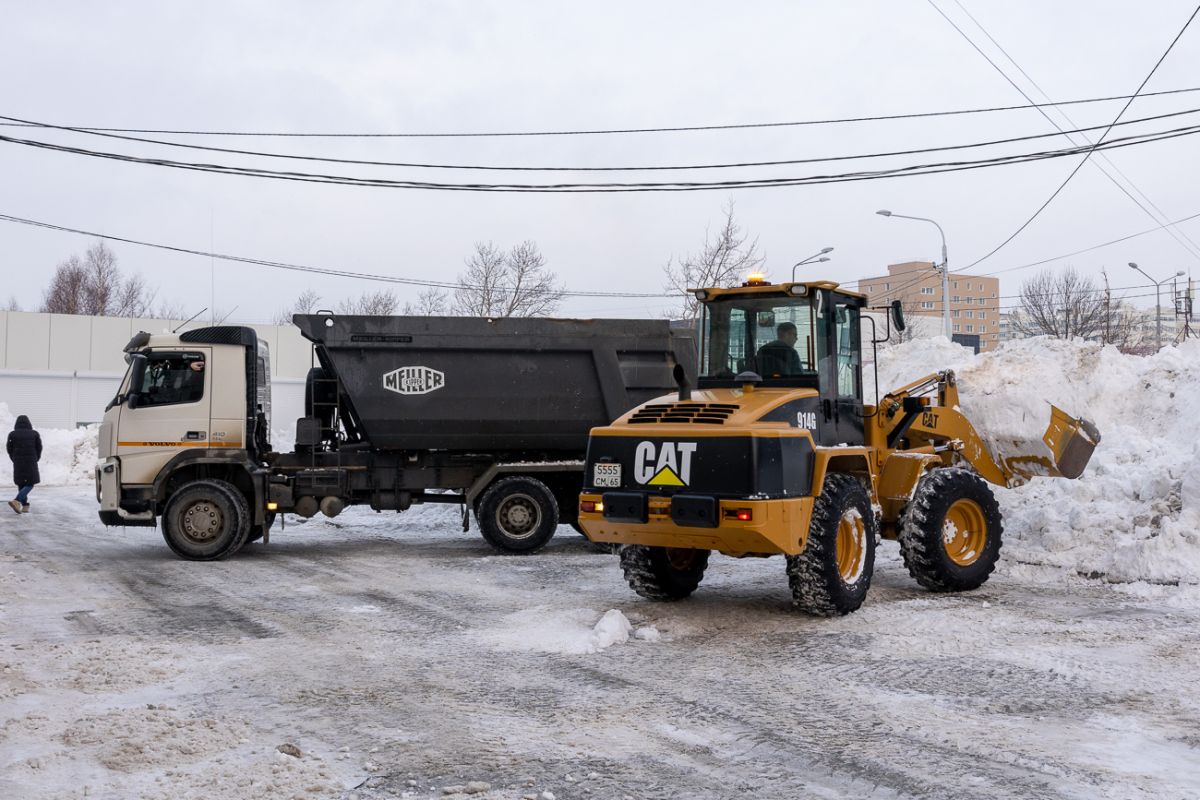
<point x="897" y="315"/>
<point x="137" y="374"/>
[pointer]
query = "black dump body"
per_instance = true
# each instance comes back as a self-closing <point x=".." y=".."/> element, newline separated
<point x="492" y="385"/>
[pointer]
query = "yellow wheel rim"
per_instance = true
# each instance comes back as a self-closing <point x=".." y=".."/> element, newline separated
<point x="964" y="532"/>
<point x="851" y="546"/>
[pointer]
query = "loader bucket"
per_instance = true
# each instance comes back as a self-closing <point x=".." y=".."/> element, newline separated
<point x="1070" y="442"/>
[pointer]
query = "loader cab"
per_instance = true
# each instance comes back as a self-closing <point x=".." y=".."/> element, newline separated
<point x="790" y="336"/>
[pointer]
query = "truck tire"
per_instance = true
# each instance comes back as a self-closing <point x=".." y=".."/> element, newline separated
<point x="832" y="574"/>
<point x="517" y="514"/>
<point x="663" y="573"/>
<point x="206" y="520"/>
<point x="950" y="533"/>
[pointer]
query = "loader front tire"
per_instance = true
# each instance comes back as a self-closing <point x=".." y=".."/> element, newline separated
<point x="832" y="574"/>
<point x="950" y="532"/>
<point x="206" y="520"/>
<point x="663" y="573"/>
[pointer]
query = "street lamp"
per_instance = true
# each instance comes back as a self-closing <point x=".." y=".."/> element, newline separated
<point x="1157" y="302"/>
<point x="945" y="265"/>
<point x="811" y="260"/>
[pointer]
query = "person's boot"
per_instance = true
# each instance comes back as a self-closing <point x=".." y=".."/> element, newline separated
<point x="25" y="508"/>
<point x="15" y="506"/>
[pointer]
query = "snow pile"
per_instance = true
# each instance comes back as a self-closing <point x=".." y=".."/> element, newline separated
<point x="569" y="632"/>
<point x="1135" y="512"/>
<point x="68" y="456"/>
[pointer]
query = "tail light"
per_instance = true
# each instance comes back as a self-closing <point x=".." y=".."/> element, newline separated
<point x="740" y="514"/>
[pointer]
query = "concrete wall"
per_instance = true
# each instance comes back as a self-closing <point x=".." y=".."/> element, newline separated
<point x="61" y="369"/>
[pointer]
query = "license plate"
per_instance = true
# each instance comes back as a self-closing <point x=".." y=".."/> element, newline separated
<point x="607" y="475"/>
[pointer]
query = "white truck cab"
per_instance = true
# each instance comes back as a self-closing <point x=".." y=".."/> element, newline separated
<point x="184" y="438"/>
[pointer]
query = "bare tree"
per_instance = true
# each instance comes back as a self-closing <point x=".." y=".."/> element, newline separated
<point x="432" y="302"/>
<point x="374" y="304"/>
<point x="95" y="285"/>
<point x="1064" y="305"/>
<point x="13" y="305"/>
<point x="512" y="284"/>
<point x="724" y="260"/>
<point x="307" y="303"/>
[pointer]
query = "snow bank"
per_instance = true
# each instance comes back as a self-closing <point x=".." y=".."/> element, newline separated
<point x="68" y="456"/>
<point x="1135" y="512"/>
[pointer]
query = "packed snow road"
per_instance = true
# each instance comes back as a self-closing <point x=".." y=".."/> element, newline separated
<point x="401" y="658"/>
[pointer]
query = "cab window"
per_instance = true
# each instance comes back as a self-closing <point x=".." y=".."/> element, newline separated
<point x="773" y="337"/>
<point x="171" y="379"/>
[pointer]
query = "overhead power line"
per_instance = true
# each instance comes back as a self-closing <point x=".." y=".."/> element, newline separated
<point x="609" y="131"/>
<point x="636" y="168"/>
<point x="1081" y="251"/>
<point x="283" y="265"/>
<point x="647" y="186"/>
<point x="1088" y="153"/>
<point x="1157" y="215"/>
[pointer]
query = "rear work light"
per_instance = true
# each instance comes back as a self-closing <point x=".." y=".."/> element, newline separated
<point x="591" y="506"/>
<point x="740" y="514"/>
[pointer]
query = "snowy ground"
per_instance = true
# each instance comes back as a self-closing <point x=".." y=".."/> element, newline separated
<point x="400" y="657"/>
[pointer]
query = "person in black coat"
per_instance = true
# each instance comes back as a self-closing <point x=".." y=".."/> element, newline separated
<point x="25" y="450"/>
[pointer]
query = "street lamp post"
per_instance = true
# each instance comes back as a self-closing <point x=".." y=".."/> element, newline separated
<point x="945" y="266"/>
<point x="1157" y="301"/>
<point x="813" y="259"/>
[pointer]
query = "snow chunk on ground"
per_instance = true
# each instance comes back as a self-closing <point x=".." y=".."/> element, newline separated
<point x="567" y="631"/>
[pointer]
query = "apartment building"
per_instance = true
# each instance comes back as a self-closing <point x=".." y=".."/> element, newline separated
<point x="974" y="300"/>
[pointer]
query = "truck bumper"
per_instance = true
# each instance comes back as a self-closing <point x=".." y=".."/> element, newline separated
<point x="108" y="495"/>
<point x="774" y="527"/>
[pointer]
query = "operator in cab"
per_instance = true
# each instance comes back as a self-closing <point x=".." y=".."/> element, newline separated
<point x="779" y="359"/>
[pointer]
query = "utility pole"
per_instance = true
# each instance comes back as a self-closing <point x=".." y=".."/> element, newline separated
<point x="1107" y="307"/>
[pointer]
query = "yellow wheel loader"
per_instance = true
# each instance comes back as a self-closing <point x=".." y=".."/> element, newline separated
<point x="776" y="453"/>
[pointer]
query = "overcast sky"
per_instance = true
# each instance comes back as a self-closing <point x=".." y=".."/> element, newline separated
<point x="470" y="66"/>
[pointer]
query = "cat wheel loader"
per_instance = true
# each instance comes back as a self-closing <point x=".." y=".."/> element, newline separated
<point x="776" y="453"/>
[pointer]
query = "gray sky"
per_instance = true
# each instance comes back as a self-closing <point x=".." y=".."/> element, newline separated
<point x="462" y="66"/>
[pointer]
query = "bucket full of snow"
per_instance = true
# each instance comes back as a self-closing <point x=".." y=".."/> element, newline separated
<point x="1063" y="452"/>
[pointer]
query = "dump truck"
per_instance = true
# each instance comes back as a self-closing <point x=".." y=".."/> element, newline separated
<point x="776" y="452"/>
<point x="489" y="414"/>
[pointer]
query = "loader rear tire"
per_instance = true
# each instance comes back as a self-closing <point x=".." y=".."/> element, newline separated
<point x="950" y="533"/>
<point x="832" y="574"/>
<point x="663" y="573"/>
<point x="206" y="520"/>
<point x="517" y="515"/>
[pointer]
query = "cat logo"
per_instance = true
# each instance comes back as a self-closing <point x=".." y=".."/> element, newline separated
<point x="671" y="465"/>
<point x="414" y="380"/>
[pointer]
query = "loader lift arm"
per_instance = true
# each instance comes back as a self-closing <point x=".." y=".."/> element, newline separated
<point x="908" y="420"/>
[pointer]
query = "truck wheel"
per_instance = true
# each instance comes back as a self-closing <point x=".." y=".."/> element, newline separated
<point x="950" y="531"/>
<point x="517" y="514"/>
<point x="663" y="573"/>
<point x="832" y="574"/>
<point x="258" y="531"/>
<point x="206" y="520"/>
